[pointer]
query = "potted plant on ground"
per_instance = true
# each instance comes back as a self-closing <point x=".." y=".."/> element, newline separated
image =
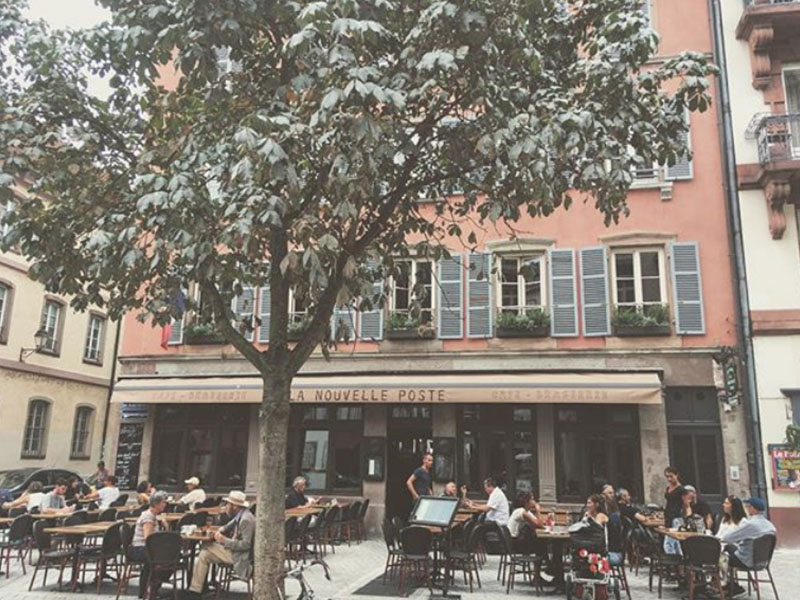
<point x="202" y="334"/>
<point x="634" y="321"/>
<point x="403" y="326"/>
<point x="534" y="322"/>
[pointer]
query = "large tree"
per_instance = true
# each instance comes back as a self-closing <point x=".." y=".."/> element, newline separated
<point x="301" y="159"/>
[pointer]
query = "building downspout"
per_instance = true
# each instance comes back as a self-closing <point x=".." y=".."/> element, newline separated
<point x="758" y="482"/>
<point x="111" y="383"/>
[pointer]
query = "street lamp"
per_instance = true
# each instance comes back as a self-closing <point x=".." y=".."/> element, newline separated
<point x="39" y="339"/>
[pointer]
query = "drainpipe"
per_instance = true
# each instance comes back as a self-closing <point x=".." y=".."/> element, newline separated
<point x="111" y="383"/>
<point x="756" y="467"/>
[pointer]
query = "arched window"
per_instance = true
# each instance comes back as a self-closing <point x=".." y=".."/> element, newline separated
<point x="82" y="432"/>
<point x="35" y="441"/>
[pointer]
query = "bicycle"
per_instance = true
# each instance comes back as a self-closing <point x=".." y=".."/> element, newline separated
<point x="298" y="573"/>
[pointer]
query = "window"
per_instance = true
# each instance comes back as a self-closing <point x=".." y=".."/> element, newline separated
<point x="596" y="445"/>
<point x="5" y="311"/>
<point x="51" y="324"/>
<point x="94" y="339"/>
<point x="791" y="86"/>
<point x="520" y="284"/>
<point x="499" y="442"/>
<point x="639" y="279"/>
<point x="412" y="290"/>
<point x="5" y="208"/>
<point x="81" y="431"/>
<point x="325" y="447"/>
<point x="35" y="438"/>
<point x="796" y="411"/>
<point x="298" y="307"/>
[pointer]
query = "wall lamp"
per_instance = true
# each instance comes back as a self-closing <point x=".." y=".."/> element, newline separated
<point x="39" y="339"/>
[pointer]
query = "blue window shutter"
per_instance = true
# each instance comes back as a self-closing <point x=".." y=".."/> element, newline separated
<point x="479" y="295"/>
<point x="343" y="323"/>
<point x="683" y="168"/>
<point x="176" y="336"/>
<point x="594" y="292"/>
<point x="243" y="307"/>
<point x="264" y="306"/>
<point x="450" y="290"/>
<point x="370" y="322"/>
<point x="687" y="288"/>
<point x="563" y="297"/>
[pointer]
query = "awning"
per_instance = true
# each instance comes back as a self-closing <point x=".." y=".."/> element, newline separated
<point x="524" y="388"/>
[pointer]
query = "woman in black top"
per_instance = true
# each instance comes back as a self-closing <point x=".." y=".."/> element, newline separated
<point x="672" y="496"/>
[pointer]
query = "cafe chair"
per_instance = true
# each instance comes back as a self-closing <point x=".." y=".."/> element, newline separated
<point x="164" y="551"/>
<point x="331" y="519"/>
<point x="466" y="559"/>
<point x="701" y="560"/>
<point x="13" y="513"/>
<point x="227" y="576"/>
<point x="120" y="502"/>
<point x="200" y="519"/>
<point x="415" y="557"/>
<point x="108" y="514"/>
<point x="79" y="517"/>
<point x="186" y="519"/>
<point x="210" y="502"/>
<point x="397" y="526"/>
<point x="101" y="557"/>
<point x="763" y="549"/>
<point x="16" y="540"/>
<point x="289" y="529"/>
<point x="130" y="568"/>
<point x="361" y="520"/>
<point x="393" y="551"/>
<point x="48" y="557"/>
<point x="662" y="565"/>
<point x="513" y="563"/>
<point x="351" y="522"/>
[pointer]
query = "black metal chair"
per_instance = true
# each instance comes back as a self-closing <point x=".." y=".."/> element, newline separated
<point x="79" y="517"/>
<point x="289" y="529"/>
<point x="186" y="519"/>
<point x="393" y="552"/>
<point x="415" y="557"/>
<point x="17" y="539"/>
<point x="120" y="502"/>
<point x="332" y="518"/>
<point x="101" y="557"/>
<point x="108" y="514"/>
<point x="351" y="522"/>
<point x="164" y="552"/>
<point x="763" y="548"/>
<point x="13" y="513"/>
<point x="466" y="559"/>
<point x="701" y="558"/>
<point x="49" y="558"/>
<point x="131" y="567"/>
<point x="209" y="502"/>
<point x="397" y="526"/>
<point x="662" y="565"/>
<point x="513" y="563"/>
<point x="361" y="520"/>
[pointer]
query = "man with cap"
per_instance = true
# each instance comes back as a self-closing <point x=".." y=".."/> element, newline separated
<point x="739" y="541"/>
<point x="195" y="495"/>
<point x="231" y="545"/>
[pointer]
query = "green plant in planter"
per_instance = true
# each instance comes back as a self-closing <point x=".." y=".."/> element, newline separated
<point x="649" y="316"/>
<point x="398" y="320"/>
<point x="296" y="328"/>
<point x="533" y="318"/>
<point x="793" y="437"/>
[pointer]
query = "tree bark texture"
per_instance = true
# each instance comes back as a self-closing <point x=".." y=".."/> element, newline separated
<point x="273" y="424"/>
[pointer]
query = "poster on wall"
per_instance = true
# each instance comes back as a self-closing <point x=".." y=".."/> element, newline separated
<point x="785" y="468"/>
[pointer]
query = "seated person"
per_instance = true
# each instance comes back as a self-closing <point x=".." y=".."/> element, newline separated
<point x="701" y="507"/>
<point x="527" y="511"/>
<point x="195" y="495"/>
<point x="144" y="490"/>
<point x="626" y="507"/>
<point x="148" y="522"/>
<point x="107" y="494"/>
<point x="231" y="545"/>
<point x="688" y="520"/>
<point x="739" y="541"/>
<point x="496" y="507"/>
<point x="53" y="503"/>
<point x="76" y="489"/>
<point x="32" y="498"/>
<point x="296" y="496"/>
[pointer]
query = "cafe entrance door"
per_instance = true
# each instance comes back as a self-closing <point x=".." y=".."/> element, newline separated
<point x="405" y="452"/>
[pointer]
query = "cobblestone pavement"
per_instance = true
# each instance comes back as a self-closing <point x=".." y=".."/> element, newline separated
<point x="356" y="566"/>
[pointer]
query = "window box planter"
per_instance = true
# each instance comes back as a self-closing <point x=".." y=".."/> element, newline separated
<point x="513" y="332"/>
<point x="642" y="330"/>
<point x="202" y="336"/>
<point x="410" y="333"/>
<point x="294" y="335"/>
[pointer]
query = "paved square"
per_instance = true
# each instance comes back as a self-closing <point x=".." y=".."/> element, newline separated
<point x="355" y="566"/>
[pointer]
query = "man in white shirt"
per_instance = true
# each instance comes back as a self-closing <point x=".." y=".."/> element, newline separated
<point x="195" y="495"/>
<point x="107" y="494"/>
<point x="496" y="508"/>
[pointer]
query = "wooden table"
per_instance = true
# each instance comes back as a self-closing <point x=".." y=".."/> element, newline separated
<point x="5" y="520"/>
<point x="677" y="535"/>
<point x="653" y="522"/>
<point x="82" y="529"/>
<point x="302" y="511"/>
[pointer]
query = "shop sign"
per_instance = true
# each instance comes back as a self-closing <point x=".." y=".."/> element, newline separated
<point x="785" y="468"/>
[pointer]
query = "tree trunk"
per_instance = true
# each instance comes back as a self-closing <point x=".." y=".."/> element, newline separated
<point x="273" y="423"/>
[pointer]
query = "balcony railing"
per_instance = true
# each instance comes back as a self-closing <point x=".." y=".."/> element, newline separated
<point x="779" y="138"/>
<point x="761" y="2"/>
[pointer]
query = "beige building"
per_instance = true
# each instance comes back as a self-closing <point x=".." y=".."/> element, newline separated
<point x="55" y="368"/>
<point x="762" y="51"/>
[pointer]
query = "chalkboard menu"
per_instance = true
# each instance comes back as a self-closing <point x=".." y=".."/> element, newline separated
<point x="129" y="453"/>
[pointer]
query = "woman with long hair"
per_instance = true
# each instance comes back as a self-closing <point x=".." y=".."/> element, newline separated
<point x="672" y="495"/>
<point x="733" y="515"/>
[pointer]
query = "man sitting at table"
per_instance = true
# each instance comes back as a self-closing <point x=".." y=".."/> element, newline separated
<point x="231" y="545"/>
<point x="76" y="489"/>
<point x="53" y="502"/>
<point x="148" y="522"/>
<point x="626" y="508"/>
<point x="496" y="508"/>
<point x="195" y="495"/>
<point x="739" y="541"/>
<point x="296" y="496"/>
<point x="106" y="494"/>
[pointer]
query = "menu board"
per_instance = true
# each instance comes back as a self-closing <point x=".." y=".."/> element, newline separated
<point x="785" y="468"/>
<point x="129" y="454"/>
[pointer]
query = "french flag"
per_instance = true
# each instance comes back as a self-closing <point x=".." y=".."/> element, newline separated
<point x="179" y="301"/>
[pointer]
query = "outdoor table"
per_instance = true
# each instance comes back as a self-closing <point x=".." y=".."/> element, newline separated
<point x="556" y="538"/>
<point x="191" y="541"/>
<point x="677" y="535"/>
<point x="5" y="520"/>
<point x="81" y="530"/>
<point x="653" y="522"/>
<point x="168" y="517"/>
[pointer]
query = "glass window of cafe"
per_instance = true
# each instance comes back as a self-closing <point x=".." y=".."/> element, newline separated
<point x="595" y="445"/>
<point x="200" y="440"/>
<point x="324" y="446"/>
<point x="498" y="441"/>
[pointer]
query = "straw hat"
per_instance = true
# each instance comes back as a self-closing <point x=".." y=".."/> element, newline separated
<point x="237" y="498"/>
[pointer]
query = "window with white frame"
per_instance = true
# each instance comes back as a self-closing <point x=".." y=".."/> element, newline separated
<point x="33" y="441"/>
<point x="791" y="90"/>
<point x="412" y="290"/>
<point x="5" y="295"/>
<point x="94" y="339"/>
<point x="520" y="284"/>
<point x="298" y="307"/>
<point x="51" y="324"/>
<point x="81" y="431"/>
<point x="638" y="278"/>
<point x="5" y="208"/>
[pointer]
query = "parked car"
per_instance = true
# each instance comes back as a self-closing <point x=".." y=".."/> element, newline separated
<point x="15" y="481"/>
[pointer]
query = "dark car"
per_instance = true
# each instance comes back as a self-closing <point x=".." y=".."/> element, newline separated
<point x="16" y="481"/>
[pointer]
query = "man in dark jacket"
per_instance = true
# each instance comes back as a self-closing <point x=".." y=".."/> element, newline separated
<point x="296" y="496"/>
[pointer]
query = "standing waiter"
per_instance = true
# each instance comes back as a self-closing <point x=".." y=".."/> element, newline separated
<point x="420" y="483"/>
